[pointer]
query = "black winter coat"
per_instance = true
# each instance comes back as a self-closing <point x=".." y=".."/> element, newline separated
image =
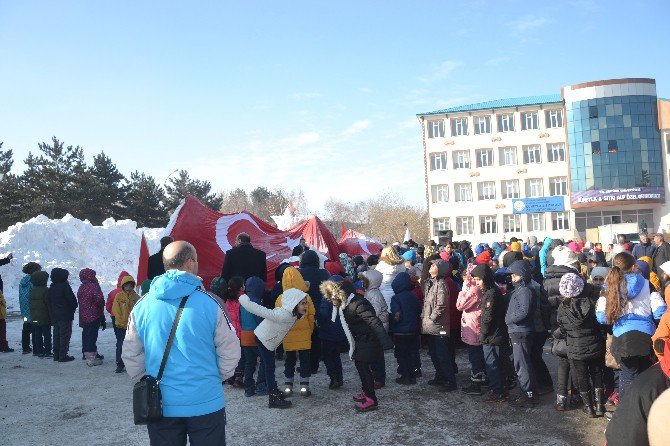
<point x="61" y="297"/>
<point x="3" y="262"/>
<point x="493" y="330"/>
<point x="245" y="261"/>
<point x="552" y="280"/>
<point x="661" y="255"/>
<point x="629" y="424"/>
<point x="156" y="267"/>
<point x="367" y="330"/>
<point x="582" y="331"/>
<point x="310" y="271"/>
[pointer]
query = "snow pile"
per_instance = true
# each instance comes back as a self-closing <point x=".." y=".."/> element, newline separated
<point x="73" y="244"/>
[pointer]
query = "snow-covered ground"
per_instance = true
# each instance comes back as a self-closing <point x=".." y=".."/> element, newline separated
<point x="47" y="403"/>
<point x="73" y="244"/>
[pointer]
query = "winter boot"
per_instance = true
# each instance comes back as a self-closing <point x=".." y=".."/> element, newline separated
<point x="359" y="398"/>
<point x="561" y="403"/>
<point x="304" y="389"/>
<point x="261" y="389"/>
<point x="598" y="403"/>
<point x="366" y="405"/>
<point x="238" y="381"/>
<point x="120" y="368"/>
<point x="92" y="362"/>
<point x="473" y="389"/>
<point x="588" y="404"/>
<point x="287" y="390"/>
<point x="277" y="401"/>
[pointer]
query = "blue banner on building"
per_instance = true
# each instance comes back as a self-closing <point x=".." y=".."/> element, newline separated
<point x="536" y="205"/>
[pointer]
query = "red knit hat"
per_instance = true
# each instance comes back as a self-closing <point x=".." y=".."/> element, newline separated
<point x="484" y="258"/>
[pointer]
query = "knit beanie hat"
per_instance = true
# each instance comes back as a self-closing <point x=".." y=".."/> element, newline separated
<point x="31" y="267"/>
<point x="515" y="246"/>
<point x="218" y="286"/>
<point x="643" y="268"/>
<point x="564" y="256"/>
<point x="484" y="258"/>
<point x="571" y="285"/>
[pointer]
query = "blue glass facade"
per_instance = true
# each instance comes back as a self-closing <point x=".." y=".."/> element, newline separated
<point x="614" y="143"/>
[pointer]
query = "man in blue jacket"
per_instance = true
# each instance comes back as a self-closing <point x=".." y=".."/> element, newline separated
<point x="204" y="353"/>
<point x="519" y="320"/>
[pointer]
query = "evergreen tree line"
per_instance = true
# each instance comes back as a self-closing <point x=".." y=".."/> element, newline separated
<point x="57" y="181"/>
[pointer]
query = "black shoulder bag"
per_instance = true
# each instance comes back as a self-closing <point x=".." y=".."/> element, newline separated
<point x="147" y="398"/>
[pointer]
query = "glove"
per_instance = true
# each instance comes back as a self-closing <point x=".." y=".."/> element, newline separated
<point x="103" y="325"/>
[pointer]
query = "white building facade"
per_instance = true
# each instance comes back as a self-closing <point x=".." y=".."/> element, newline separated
<point x="550" y="165"/>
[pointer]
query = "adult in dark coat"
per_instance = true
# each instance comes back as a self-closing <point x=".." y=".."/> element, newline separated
<point x="244" y="260"/>
<point x="645" y="248"/>
<point x="156" y="267"/>
<point x="4" y="262"/>
<point x="63" y="306"/>
<point x="310" y="271"/>
<point x="661" y="255"/>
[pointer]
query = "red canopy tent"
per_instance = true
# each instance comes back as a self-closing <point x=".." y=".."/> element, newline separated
<point x="318" y="236"/>
<point x="356" y="244"/>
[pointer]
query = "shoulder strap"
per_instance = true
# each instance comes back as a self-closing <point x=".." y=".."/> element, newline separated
<point x="171" y="338"/>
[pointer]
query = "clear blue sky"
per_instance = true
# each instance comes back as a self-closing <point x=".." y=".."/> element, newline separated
<point x="320" y="96"/>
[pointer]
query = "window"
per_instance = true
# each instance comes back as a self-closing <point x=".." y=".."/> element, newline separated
<point x="553" y="118"/>
<point x="555" y="152"/>
<point x="465" y="225"/>
<point x="529" y="121"/>
<point x="531" y="155"/>
<point x="459" y="126"/>
<point x="461" y="159"/>
<point x="438" y="161"/>
<point x="560" y="220"/>
<point x="558" y="186"/>
<point x="612" y="146"/>
<point x="439" y="193"/>
<point x="536" y="222"/>
<point x="482" y="125"/>
<point x="506" y="123"/>
<point x="595" y="147"/>
<point x="435" y="129"/>
<point x="440" y="224"/>
<point x="487" y="190"/>
<point x="463" y="192"/>
<point x="512" y="223"/>
<point x="488" y="224"/>
<point x="507" y="156"/>
<point x="510" y="189"/>
<point x="593" y="111"/>
<point x="534" y="187"/>
<point x="484" y="157"/>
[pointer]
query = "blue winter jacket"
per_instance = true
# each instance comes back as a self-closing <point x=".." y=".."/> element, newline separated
<point x="329" y="330"/>
<point x="405" y="303"/>
<point x="24" y="296"/>
<point x="543" y="254"/>
<point x="191" y="384"/>
<point x="522" y="304"/>
<point x="310" y="271"/>
<point x="254" y="288"/>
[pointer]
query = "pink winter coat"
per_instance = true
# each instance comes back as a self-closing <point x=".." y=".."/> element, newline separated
<point x="470" y="303"/>
<point x="233" y="307"/>
<point x="90" y="297"/>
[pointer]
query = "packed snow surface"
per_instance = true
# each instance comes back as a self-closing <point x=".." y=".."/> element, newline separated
<point x="73" y="244"/>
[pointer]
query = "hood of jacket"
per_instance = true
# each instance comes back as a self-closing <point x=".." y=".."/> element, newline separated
<point x="122" y="274"/>
<point x="532" y="241"/>
<point x="279" y="272"/>
<point x="254" y="288"/>
<point x="31" y="267"/>
<point x="634" y="284"/>
<point x="521" y="268"/>
<point x="127" y="279"/>
<point x="554" y="243"/>
<point x="515" y="247"/>
<point x="309" y="258"/>
<point x="648" y="260"/>
<point x="291" y="298"/>
<point x="442" y="267"/>
<point x="174" y="284"/>
<point x="293" y="279"/>
<point x="39" y="278"/>
<point x="553" y="271"/>
<point x="59" y="275"/>
<point x="402" y="282"/>
<point x="374" y="277"/>
<point x="87" y="275"/>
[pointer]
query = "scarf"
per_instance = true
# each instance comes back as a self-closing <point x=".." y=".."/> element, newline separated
<point x="345" y="326"/>
<point x="349" y="269"/>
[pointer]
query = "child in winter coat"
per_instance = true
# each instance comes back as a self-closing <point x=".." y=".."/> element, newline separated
<point x="585" y="344"/>
<point x="298" y="341"/>
<point x="91" y="315"/>
<point x="40" y="311"/>
<point x="4" y="346"/>
<point x="404" y="324"/>
<point x="371" y="281"/>
<point x="272" y="331"/>
<point x="112" y="294"/>
<point x="63" y="306"/>
<point x="333" y="340"/>
<point x="254" y="288"/>
<point x="231" y="298"/>
<point x="122" y="305"/>
<point x="470" y="303"/>
<point x="366" y="334"/>
<point x="24" y="303"/>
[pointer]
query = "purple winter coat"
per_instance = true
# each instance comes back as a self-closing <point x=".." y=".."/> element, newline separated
<point x="90" y="297"/>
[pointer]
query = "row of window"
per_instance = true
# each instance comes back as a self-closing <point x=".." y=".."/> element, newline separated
<point x="488" y="224"/>
<point x="507" y="156"/>
<point x="505" y="123"/>
<point x="509" y="189"/>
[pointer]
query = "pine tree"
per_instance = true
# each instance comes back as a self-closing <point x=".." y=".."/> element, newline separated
<point x="183" y="185"/>
<point x="11" y="199"/>
<point x="108" y="190"/>
<point x="144" y="201"/>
